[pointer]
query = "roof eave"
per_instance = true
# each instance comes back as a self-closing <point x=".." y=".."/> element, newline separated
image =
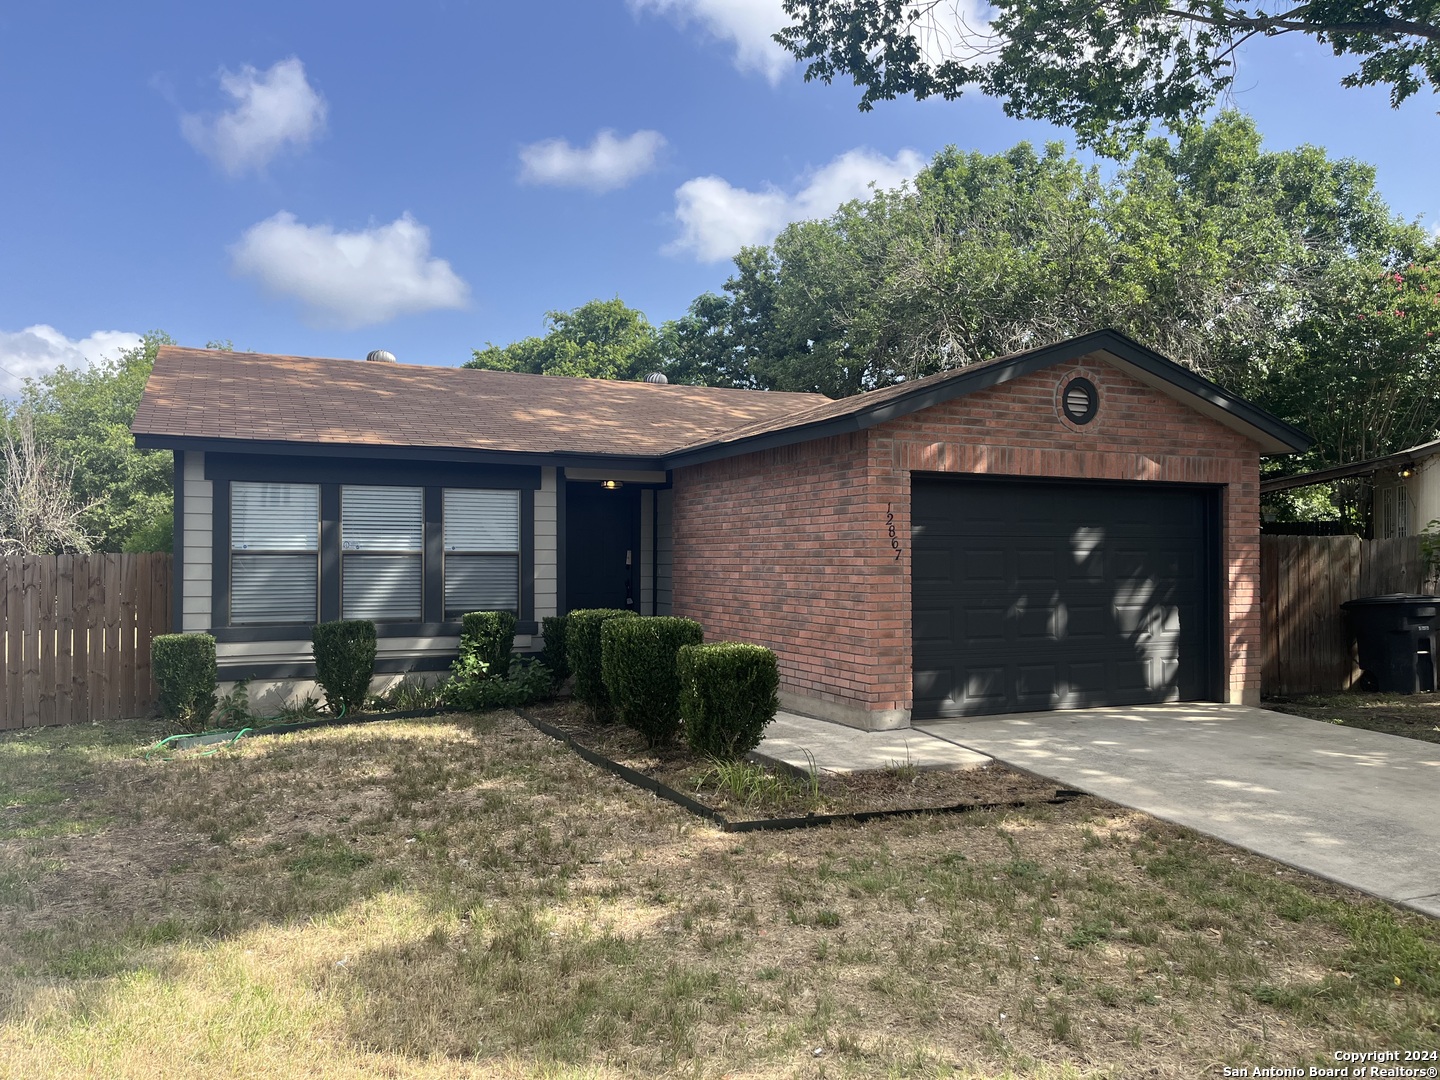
<point x="637" y="462"/>
<point x="1400" y="458"/>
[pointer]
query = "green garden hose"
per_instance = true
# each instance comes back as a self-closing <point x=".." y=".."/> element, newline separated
<point x="217" y="740"/>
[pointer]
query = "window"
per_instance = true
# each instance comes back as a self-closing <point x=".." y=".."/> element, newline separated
<point x="482" y="551"/>
<point x="1392" y="512"/>
<point x="382" y="546"/>
<point x="274" y="553"/>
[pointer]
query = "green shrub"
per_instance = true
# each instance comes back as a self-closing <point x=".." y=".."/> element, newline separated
<point x="582" y="650"/>
<point x="183" y="666"/>
<point x="344" y="662"/>
<point x="491" y="636"/>
<point x="638" y="664"/>
<point x="471" y="688"/>
<point x="728" y="695"/>
<point x="552" y="627"/>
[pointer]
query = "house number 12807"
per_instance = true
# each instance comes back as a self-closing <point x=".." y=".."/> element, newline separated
<point x="890" y="530"/>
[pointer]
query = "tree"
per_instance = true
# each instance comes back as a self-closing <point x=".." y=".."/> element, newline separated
<point x="602" y="339"/>
<point x="1105" y="68"/>
<point x="82" y="418"/>
<point x="1227" y="258"/>
<point x="39" y="514"/>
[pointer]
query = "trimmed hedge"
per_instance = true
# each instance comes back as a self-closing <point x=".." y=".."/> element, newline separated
<point x="638" y="665"/>
<point x="729" y="693"/>
<point x="183" y="666"/>
<point x="552" y="628"/>
<point x="490" y="635"/>
<point x="582" y="650"/>
<point x="344" y="662"/>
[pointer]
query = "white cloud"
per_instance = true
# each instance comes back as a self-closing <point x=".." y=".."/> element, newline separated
<point x="717" y="219"/>
<point x="349" y="279"/>
<point x="609" y="161"/>
<point x="272" y="109"/>
<point x="38" y="350"/>
<point x="746" y="24"/>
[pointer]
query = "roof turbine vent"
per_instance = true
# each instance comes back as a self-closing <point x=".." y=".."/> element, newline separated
<point x="381" y="356"/>
<point x="657" y="377"/>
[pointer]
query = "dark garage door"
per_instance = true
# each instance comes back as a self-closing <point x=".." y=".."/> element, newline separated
<point x="1030" y="596"/>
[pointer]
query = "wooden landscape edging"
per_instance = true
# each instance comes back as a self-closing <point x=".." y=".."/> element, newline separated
<point x="809" y="821"/>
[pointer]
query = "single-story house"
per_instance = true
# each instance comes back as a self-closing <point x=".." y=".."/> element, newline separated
<point x="1404" y="488"/>
<point x="1070" y="526"/>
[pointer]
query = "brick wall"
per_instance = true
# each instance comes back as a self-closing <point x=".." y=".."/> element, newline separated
<point x="789" y="547"/>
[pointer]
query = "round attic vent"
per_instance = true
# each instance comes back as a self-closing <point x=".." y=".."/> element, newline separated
<point x="656" y="377"/>
<point x="381" y="356"/>
<point x="1080" y="401"/>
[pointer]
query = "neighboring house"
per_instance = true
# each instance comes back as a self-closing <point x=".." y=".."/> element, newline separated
<point x="1404" y="488"/>
<point x="1071" y="526"/>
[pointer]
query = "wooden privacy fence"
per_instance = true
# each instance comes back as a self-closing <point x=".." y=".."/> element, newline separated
<point x="76" y="632"/>
<point x="1303" y="581"/>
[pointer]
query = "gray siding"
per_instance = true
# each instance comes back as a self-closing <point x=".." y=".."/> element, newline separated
<point x="547" y="548"/>
<point x="196" y="554"/>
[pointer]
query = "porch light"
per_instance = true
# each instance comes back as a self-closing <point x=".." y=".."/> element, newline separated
<point x="610" y="485"/>
<point x="1405" y="474"/>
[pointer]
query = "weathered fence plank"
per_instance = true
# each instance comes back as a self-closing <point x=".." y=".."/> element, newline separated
<point x="75" y="633"/>
<point x="1304" y="580"/>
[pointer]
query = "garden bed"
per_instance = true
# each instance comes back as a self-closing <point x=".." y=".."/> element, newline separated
<point x="1411" y="716"/>
<point x="735" y="794"/>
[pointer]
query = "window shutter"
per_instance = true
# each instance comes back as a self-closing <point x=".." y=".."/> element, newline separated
<point x="382" y="537"/>
<point x="272" y="588"/>
<point x="481" y="583"/>
<point x="274" y="540"/>
<point x="382" y="519"/>
<point x="482" y="520"/>
<point x="385" y="588"/>
<point x="274" y="517"/>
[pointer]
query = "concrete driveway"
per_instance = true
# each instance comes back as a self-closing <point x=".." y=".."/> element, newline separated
<point x="1354" y="806"/>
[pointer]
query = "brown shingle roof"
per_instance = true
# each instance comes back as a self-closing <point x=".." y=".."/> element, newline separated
<point x="203" y="393"/>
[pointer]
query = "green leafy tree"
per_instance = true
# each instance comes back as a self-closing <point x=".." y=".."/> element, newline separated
<point x="603" y="339"/>
<point x="1106" y="69"/>
<point x="1364" y="376"/>
<point x="82" y="419"/>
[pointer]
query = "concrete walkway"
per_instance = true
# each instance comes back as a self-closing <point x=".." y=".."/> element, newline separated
<point x="798" y="741"/>
<point x="1353" y="806"/>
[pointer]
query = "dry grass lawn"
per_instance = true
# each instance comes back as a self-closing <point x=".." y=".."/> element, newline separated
<point x="464" y="897"/>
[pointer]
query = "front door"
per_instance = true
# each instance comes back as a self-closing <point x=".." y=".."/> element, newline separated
<point x="602" y="546"/>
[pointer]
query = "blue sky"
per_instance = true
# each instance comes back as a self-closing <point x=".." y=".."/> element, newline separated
<point x="324" y="179"/>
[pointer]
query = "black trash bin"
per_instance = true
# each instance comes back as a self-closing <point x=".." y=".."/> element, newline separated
<point x="1396" y="638"/>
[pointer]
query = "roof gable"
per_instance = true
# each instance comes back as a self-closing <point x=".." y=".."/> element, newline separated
<point x="1273" y="435"/>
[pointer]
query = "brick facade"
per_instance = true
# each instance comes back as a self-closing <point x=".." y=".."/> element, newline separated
<point x="790" y="547"/>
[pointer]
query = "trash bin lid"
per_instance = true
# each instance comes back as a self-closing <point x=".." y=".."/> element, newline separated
<point x="1392" y="598"/>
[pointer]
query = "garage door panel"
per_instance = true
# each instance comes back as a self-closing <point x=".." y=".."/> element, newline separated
<point x="1088" y="595"/>
<point x="984" y="626"/>
<point x="1037" y="622"/>
<point x="1034" y="565"/>
<point x="981" y="566"/>
<point x="983" y="686"/>
<point x="934" y="626"/>
<point x="932" y="567"/>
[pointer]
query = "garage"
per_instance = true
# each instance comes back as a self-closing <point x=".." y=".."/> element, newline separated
<point x="1030" y="595"/>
